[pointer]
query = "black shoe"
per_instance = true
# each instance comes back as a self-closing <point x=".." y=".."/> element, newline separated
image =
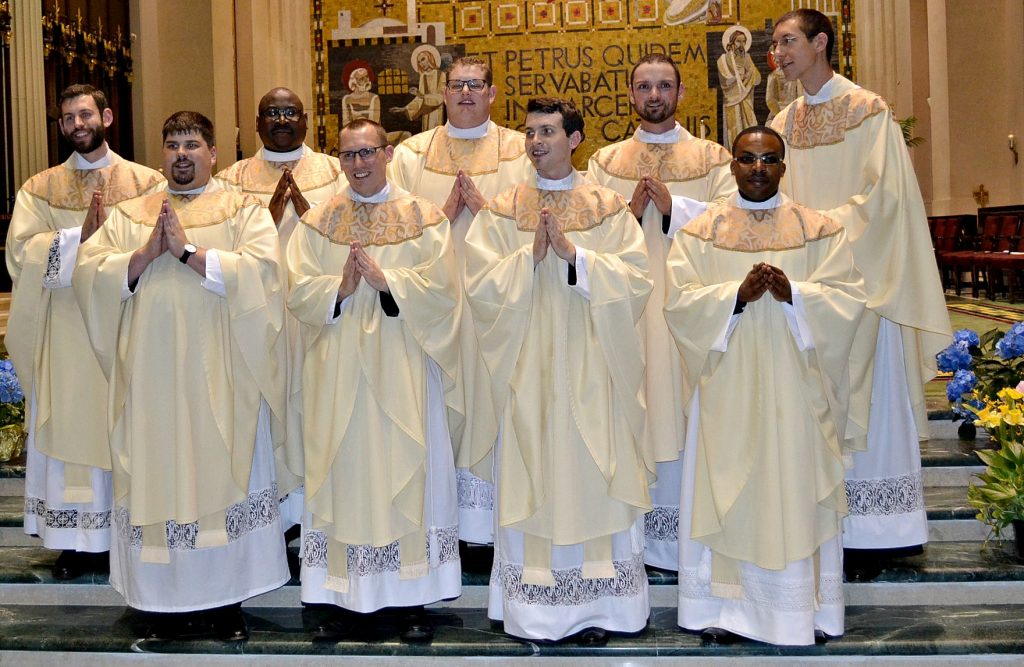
<point x="331" y="624"/>
<point x="229" y="624"/>
<point x="70" y="564"/>
<point x="592" y="637"/>
<point x="861" y="565"/>
<point x="820" y="637"/>
<point x="719" y="636"/>
<point x="416" y="628"/>
<point x="179" y="626"/>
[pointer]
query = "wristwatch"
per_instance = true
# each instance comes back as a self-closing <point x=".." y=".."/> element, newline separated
<point x="189" y="251"/>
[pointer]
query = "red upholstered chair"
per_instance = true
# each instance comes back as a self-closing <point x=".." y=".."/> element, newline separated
<point x="947" y="237"/>
<point x="998" y="233"/>
<point x="1008" y="264"/>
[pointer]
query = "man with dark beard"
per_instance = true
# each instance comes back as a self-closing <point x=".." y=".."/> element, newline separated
<point x="667" y="175"/>
<point x="67" y="484"/>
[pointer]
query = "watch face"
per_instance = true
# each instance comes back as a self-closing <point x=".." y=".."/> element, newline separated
<point x="189" y="248"/>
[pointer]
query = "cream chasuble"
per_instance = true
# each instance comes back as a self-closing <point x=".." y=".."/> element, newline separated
<point x="319" y="177"/>
<point x="426" y="165"/>
<point x="846" y="158"/>
<point x="188" y="369"/>
<point x="768" y="487"/>
<point x="567" y="371"/>
<point x="364" y="382"/>
<point x="46" y="337"/>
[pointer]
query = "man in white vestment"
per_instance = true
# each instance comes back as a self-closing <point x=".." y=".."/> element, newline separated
<point x="67" y="478"/>
<point x="763" y="300"/>
<point x="183" y="297"/>
<point x="668" y="176"/>
<point x="460" y="166"/>
<point x="289" y="178"/>
<point x="848" y="160"/>
<point x="374" y="285"/>
<point x="556" y="276"/>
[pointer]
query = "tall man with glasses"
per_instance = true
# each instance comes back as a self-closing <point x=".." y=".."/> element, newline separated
<point x="289" y="178"/>
<point x="668" y="176"/>
<point x="373" y="282"/>
<point x="67" y="483"/>
<point x="847" y="159"/>
<point x="763" y="301"/>
<point x="461" y="166"/>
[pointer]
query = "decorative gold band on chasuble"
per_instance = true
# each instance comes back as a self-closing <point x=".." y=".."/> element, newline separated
<point x="810" y="125"/>
<point x="745" y="230"/>
<point x="669" y="163"/>
<point x="71" y="189"/>
<point x="345" y="222"/>
<point x="262" y="176"/>
<point x="582" y="208"/>
<point x="193" y="211"/>
<point x="474" y="157"/>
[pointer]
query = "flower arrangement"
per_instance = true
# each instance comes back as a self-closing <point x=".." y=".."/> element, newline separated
<point x="12" y="412"/>
<point x="987" y="388"/>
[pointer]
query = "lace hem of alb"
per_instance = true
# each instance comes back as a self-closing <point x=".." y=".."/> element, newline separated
<point x="766" y="590"/>
<point x="66" y="518"/>
<point x="571" y="589"/>
<point x="365" y="560"/>
<point x="474" y="492"/>
<point x="662" y="524"/>
<point x="51" y="279"/>
<point x="884" y="496"/>
<point x="259" y="510"/>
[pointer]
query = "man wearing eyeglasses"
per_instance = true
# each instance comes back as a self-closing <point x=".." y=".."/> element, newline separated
<point x="461" y="166"/>
<point x="668" y="176"/>
<point x="289" y="178"/>
<point x="374" y="285"/>
<point x="848" y="160"/>
<point x="763" y="300"/>
<point x="556" y="275"/>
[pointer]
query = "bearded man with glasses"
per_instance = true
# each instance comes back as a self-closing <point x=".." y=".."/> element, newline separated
<point x="374" y="285"/>
<point x="460" y="167"/>
<point x="763" y="302"/>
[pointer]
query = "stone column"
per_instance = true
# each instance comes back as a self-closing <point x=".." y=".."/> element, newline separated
<point x="28" y="96"/>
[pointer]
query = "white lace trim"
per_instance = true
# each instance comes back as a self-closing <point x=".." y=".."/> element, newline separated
<point x="66" y="518"/>
<point x="885" y="496"/>
<point x="474" y="492"/>
<point x="571" y="589"/>
<point x="662" y="524"/>
<point x="365" y="560"/>
<point x="51" y="280"/>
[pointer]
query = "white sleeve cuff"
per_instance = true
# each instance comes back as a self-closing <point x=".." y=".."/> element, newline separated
<point x="214" y="280"/>
<point x="337" y="307"/>
<point x="126" y="291"/>
<point x="684" y="210"/>
<point x="60" y="264"/>
<point x="796" y="318"/>
<point x="582" y="276"/>
<point x="721" y="343"/>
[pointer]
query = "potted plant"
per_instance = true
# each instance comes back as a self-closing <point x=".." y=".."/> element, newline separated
<point x="12" y="412"/>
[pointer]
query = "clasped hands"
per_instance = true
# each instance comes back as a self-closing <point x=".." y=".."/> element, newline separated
<point x="464" y="194"/>
<point x="287" y="190"/>
<point x="549" y="234"/>
<point x="360" y="265"/>
<point x="765" y="278"/>
<point x="94" y="217"/>
<point x="650" y="189"/>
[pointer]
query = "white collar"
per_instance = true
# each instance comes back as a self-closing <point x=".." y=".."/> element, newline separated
<point x="82" y="163"/>
<point x="773" y="202"/>
<point x="823" y="95"/>
<point x="286" y="156"/>
<point x="478" y="132"/>
<point x="675" y="135"/>
<point x="193" y="191"/>
<point x="556" y="184"/>
<point x="380" y="197"/>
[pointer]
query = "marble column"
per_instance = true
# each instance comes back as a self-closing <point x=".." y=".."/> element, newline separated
<point x="28" y="96"/>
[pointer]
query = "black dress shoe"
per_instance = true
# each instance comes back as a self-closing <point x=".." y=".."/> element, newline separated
<point x="70" y="564"/>
<point x="416" y="628"/>
<point x="820" y="637"/>
<point x="229" y="624"/>
<point x="719" y="636"/>
<point x="592" y="637"/>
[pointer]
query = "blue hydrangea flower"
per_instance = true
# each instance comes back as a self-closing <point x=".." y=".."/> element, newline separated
<point x="955" y="357"/>
<point x="963" y="381"/>
<point x="1011" y="345"/>
<point x="968" y="336"/>
<point x="10" y="388"/>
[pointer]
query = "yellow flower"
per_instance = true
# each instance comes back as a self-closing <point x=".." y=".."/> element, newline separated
<point x="1009" y="393"/>
<point x="1014" y="417"/>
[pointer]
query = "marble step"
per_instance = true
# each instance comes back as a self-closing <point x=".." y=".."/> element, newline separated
<point x="920" y="634"/>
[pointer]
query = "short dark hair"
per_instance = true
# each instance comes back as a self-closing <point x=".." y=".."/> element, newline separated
<point x="185" y="122"/>
<point x="655" y="59"/>
<point x="812" y="23"/>
<point x="572" y="119"/>
<point x="474" y="61"/>
<point x="360" y="123"/>
<point x="79" y="89"/>
<point x="759" y="129"/>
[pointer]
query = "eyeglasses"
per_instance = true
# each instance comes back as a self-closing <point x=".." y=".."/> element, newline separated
<point x="768" y="159"/>
<point x="785" y="42"/>
<point x="365" y="153"/>
<point x="273" y="113"/>
<point x="476" y="85"/>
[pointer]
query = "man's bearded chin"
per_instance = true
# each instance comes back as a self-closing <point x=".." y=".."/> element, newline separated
<point x="183" y="177"/>
<point x="94" y="140"/>
<point x="655" y="115"/>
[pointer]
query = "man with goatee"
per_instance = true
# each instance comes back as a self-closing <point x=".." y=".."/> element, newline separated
<point x="67" y="480"/>
<point x="668" y="176"/>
